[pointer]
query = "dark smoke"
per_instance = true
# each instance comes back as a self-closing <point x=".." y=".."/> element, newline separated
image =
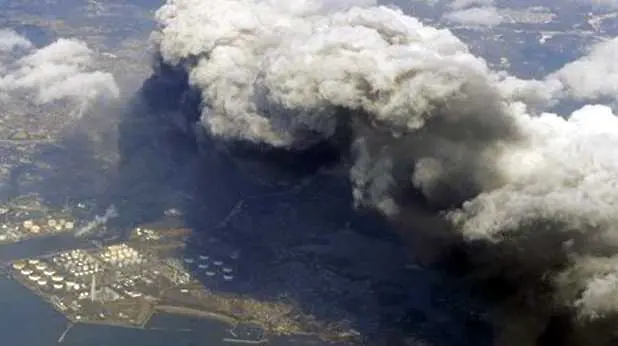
<point x="442" y="146"/>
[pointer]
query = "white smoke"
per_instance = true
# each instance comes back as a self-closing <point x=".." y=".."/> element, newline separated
<point x="62" y="70"/>
<point x="267" y="62"/>
<point x="426" y="115"/>
<point x="99" y="220"/>
<point x="568" y="171"/>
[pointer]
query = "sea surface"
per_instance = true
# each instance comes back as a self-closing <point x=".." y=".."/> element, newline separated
<point x="27" y="320"/>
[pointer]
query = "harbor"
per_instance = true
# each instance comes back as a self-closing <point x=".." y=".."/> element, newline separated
<point x="117" y="284"/>
<point x="151" y="273"/>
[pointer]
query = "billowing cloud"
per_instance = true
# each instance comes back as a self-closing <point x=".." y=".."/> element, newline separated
<point x="10" y="40"/>
<point x="433" y="128"/>
<point x="461" y="4"/>
<point x="63" y="70"/>
<point x="482" y="16"/>
<point x="566" y="172"/>
<point x="592" y="76"/>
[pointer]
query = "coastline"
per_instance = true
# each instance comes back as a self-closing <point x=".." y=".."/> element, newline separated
<point x="186" y="311"/>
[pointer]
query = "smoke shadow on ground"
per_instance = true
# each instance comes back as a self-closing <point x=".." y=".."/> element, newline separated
<point x="296" y="233"/>
<point x="61" y="172"/>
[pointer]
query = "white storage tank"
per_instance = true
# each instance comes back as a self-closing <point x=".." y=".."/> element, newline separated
<point x="49" y="272"/>
<point x="19" y="265"/>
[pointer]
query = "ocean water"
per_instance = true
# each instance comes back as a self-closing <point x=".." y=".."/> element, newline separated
<point x="26" y="320"/>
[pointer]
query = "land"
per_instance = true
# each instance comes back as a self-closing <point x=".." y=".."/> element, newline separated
<point x="26" y="217"/>
<point x="125" y="284"/>
<point x="291" y="267"/>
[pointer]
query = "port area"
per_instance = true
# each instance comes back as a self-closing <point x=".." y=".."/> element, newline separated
<point x="117" y="284"/>
<point x="152" y="272"/>
<point x="125" y="284"/>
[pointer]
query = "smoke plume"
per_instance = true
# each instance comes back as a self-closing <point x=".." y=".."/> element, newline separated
<point x="531" y="195"/>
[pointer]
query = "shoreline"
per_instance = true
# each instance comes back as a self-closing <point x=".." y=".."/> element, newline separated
<point x="187" y="311"/>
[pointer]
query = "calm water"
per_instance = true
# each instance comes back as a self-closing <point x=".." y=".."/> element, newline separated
<point x="27" y="320"/>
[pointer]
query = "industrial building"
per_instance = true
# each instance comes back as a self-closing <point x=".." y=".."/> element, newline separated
<point x="27" y="217"/>
<point x="119" y="283"/>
